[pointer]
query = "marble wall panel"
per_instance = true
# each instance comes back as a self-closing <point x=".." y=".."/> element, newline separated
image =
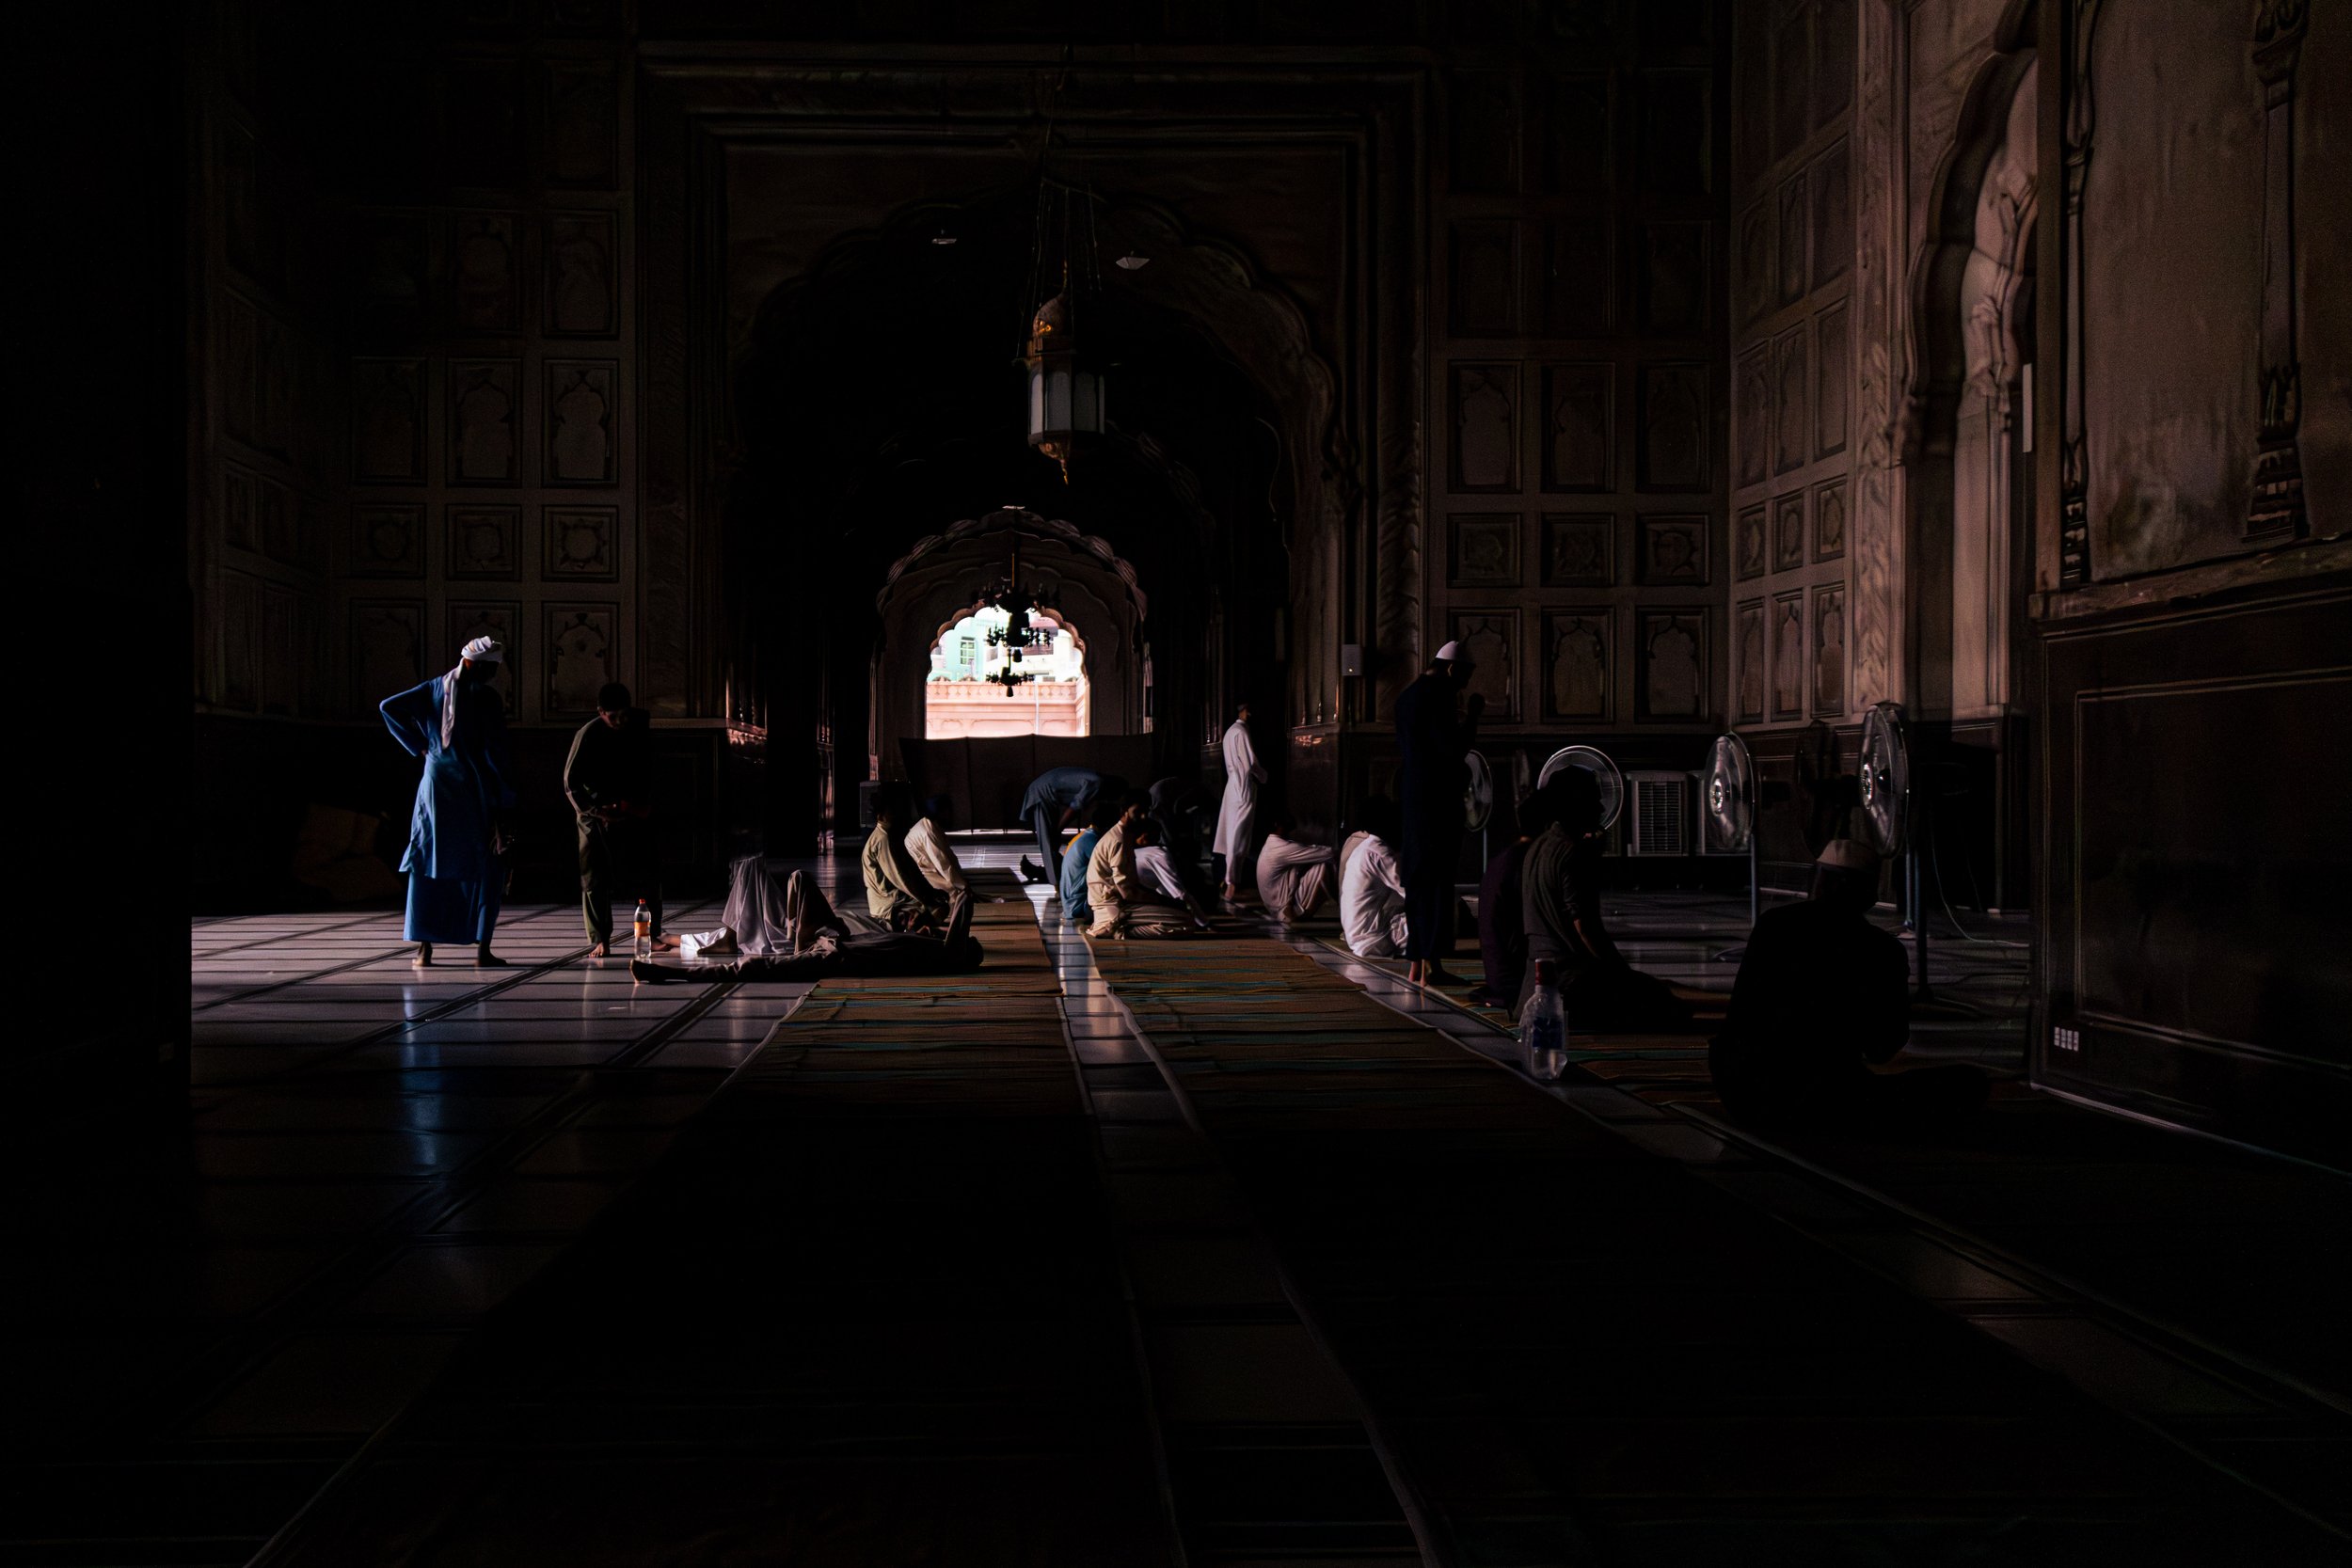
<point x="582" y="436"/>
<point x="1579" y="664"/>
<point x="1580" y="550"/>
<point x="1579" y="427"/>
<point x="1671" y="659"/>
<point x="1483" y="453"/>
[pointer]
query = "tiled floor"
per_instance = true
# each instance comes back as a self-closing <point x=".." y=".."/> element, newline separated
<point x="1344" y="1338"/>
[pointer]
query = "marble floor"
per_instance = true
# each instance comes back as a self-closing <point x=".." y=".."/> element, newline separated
<point x="229" y="1314"/>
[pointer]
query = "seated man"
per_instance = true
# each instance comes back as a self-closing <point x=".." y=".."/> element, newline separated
<point x="1294" y="877"/>
<point x="1075" y="910"/>
<point x="1176" y="809"/>
<point x="928" y="848"/>
<point x="1055" y="798"/>
<point x="1823" y="999"/>
<point x="1560" y="904"/>
<point x="1501" y="915"/>
<point x="1157" y="869"/>
<point x="896" y="892"/>
<point x="1372" y="885"/>
<point x="1122" y="906"/>
<point x="822" y="945"/>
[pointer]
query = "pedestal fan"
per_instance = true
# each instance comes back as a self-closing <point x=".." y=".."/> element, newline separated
<point x="1478" y="800"/>
<point x="1728" y="795"/>
<point x="1605" y="772"/>
<point x="1889" y="807"/>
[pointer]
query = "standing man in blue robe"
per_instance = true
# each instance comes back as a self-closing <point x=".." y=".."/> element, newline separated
<point x="456" y="724"/>
<point x="1055" y="798"/>
<point x="1432" y="774"/>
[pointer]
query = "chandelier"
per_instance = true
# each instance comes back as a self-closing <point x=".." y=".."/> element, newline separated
<point x="1024" y="630"/>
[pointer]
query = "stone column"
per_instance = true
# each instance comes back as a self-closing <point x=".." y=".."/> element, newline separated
<point x="2276" y="506"/>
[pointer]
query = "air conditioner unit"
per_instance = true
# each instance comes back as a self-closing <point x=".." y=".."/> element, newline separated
<point x="1660" y="822"/>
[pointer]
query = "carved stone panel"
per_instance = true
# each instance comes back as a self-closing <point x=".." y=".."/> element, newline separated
<point x="1752" y="664"/>
<point x="1756" y="415"/>
<point x="388" y="273"/>
<point x="1483" y="550"/>
<point x="583" y="652"/>
<point x="481" y="139"/>
<point x="240" y="623"/>
<point x="1790" y="660"/>
<point x="1793" y="226"/>
<point x="1834" y="39"/>
<point x="387" y="421"/>
<point x="1579" y="664"/>
<point x="1670" y="552"/>
<point x="1676" y="135"/>
<point x="1833" y="359"/>
<point x="1492" y="638"/>
<point x="1759" y="261"/>
<point x="282" y="651"/>
<point x="240" y="508"/>
<point x="1792" y="434"/>
<point x="388" y="540"/>
<point x="1580" y="550"/>
<point x="1792" y="81"/>
<point x="484" y="398"/>
<point x="1484" y="422"/>
<point x="1484" y="279"/>
<point x="1579" y="427"/>
<point x="1788" y="531"/>
<point x="1828" y="520"/>
<point x="581" y="295"/>
<point x="581" y="427"/>
<point x="1675" y="277"/>
<point x="1829" y="181"/>
<point x="501" y="620"/>
<point x="1829" y="651"/>
<point x="1580" y="278"/>
<point x="1751" y="543"/>
<point x="583" y="116"/>
<point x="1484" y="132"/>
<point x="483" y="541"/>
<point x="1576" y="143"/>
<point x="583" y="543"/>
<point x="1670" y="676"/>
<point x="484" y="274"/>
<point x="387" y="649"/>
<point x="1673" y="450"/>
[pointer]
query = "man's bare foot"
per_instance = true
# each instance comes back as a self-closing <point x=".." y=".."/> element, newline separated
<point x="645" y="972"/>
<point x="484" y="958"/>
<point x="424" y="956"/>
<point x="602" y="950"/>
<point x="1232" y="893"/>
<point x="1442" y="978"/>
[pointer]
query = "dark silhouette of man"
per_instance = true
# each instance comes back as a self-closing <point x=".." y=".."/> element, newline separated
<point x="1432" y="741"/>
<point x="1823" y="999"/>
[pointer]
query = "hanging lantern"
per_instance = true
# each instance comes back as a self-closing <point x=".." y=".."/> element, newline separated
<point x="1065" y="395"/>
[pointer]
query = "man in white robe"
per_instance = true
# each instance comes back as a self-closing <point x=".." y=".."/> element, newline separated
<point x="1371" y="897"/>
<point x="932" y="858"/>
<point x="1295" y="877"/>
<point x="1123" y="903"/>
<point x="1244" y="773"/>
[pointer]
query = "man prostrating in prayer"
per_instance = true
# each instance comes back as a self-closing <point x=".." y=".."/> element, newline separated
<point x="820" y="943"/>
<point x="456" y="724"/>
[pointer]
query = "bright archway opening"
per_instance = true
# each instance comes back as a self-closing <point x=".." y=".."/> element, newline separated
<point x="980" y="688"/>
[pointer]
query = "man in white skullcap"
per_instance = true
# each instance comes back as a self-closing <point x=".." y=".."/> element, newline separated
<point x="1821" y="1005"/>
<point x="1432" y="742"/>
<point x="456" y="724"/>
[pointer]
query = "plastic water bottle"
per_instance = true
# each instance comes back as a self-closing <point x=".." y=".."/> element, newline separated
<point x="644" y="931"/>
<point x="1543" y="1028"/>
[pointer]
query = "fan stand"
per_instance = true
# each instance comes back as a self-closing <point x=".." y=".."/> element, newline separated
<point x="1756" y="901"/>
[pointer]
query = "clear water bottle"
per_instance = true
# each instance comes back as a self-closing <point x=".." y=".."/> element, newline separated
<point x="1543" y="1028"/>
<point x="644" y="931"/>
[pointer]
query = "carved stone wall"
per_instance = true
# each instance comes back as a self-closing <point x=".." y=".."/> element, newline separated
<point x="1792" y="364"/>
<point x="1577" y="382"/>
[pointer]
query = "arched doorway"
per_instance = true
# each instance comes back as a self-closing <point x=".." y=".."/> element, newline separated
<point x="980" y="688"/>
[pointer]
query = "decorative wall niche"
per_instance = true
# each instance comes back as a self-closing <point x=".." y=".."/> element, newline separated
<point x="581" y="294"/>
<point x="483" y="395"/>
<point x="1580" y="278"/>
<point x="1751" y="543"/>
<point x="1484" y="422"/>
<point x="387" y="421"/>
<point x="1790" y="659"/>
<point x="1829" y="651"/>
<point x="388" y="540"/>
<point x="1759" y="261"/>
<point x="581" y="655"/>
<point x="1752" y="663"/>
<point x="1756" y="415"/>
<point x="483" y="541"/>
<point x="1483" y="550"/>
<point x="1579" y="427"/>
<point x="580" y="445"/>
<point x="1793" y="228"/>
<point x="1829" y="401"/>
<point x="1670" y="676"/>
<point x="1828" y="520"/>
<point x="1492" y="638"/>
<point x="387" y="650"/>
<point x="1829" y="178"/>
<point x="582" y="140"/>
<point x="1790" y="434"/>
<point x="1579" y="664"/>
<point x="1788" y="531"/>
<point x="1675" y="277"/>
<point x="1674" y="423"/>
<point x="484" y="274"/>
<point x="582" y="543"/>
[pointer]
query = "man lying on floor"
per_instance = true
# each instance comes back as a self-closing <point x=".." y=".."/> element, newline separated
<point x="820" y="943"/>
<point x="1823" y="998"/>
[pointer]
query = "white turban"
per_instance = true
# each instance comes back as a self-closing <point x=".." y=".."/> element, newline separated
<point x="481" y="650"/>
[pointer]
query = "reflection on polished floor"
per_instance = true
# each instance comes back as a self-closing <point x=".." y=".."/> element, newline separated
<point x="1239" y="1251"/>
